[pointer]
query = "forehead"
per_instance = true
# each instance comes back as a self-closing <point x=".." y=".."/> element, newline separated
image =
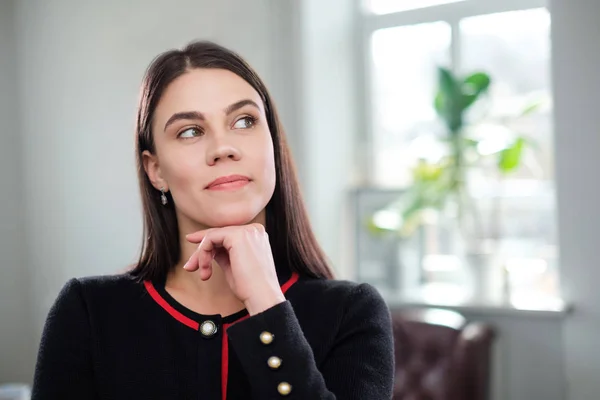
<point x="207" y="90"/>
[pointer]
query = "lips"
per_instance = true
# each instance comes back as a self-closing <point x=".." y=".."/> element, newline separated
<point x="225" y="180"/>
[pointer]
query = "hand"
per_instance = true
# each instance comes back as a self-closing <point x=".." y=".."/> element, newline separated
<point x="244" y="254"/>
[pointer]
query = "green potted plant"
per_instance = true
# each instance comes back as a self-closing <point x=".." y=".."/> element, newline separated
<point x="443" y="186"/>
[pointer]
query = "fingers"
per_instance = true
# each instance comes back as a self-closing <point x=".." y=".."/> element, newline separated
<point x="205" y="252"/>
<point x="206" y="272"/>
<point x="195" y="263"/>
<point x="192" y="263"/>
<point x="215" y="240"/>
<point x="202" y="258"/>
<point x="196" y="237"/>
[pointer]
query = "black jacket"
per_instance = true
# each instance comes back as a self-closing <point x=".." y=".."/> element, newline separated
<point x="114" y="338"/>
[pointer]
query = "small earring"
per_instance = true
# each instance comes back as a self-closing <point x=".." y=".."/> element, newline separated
<point x="163" y="197"/>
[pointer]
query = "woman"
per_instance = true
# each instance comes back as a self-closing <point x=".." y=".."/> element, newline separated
<point x="232" y="298"/>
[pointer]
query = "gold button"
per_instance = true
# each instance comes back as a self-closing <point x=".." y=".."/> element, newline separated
<point x="284" y="388"/>
<point x="208" y="328"/>
<point x="274" y="362"/>
<point x="266" y="337"/>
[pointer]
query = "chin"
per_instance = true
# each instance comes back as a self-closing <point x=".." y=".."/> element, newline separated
<point x="231" y="216"/>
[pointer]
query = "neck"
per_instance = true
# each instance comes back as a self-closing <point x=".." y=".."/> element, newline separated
<point x="213" y="296"/>
<point x="216" y="290"/>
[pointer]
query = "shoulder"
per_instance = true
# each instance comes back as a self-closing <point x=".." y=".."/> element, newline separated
<point x="79" y="296"/>
<point x="355" y="300"/>
<point x="334" y="289"/>
<point x="101" y="288"/>
<point x="107" y="301"/>
<point x="333" y="312"/>
<point x="107" y="282"/>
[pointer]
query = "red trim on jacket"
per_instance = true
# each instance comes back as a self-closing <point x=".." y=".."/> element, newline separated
<point x="196" y="326"/>
<point x="174" y="313"/>
<point x="225" y="358"/>
<point x="225" y="347"/>
<point x="293" y="279"/>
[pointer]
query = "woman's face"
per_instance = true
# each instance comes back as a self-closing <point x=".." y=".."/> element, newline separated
<point x="214" y="151"/>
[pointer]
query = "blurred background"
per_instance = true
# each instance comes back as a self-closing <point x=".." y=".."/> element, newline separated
<point x="446" y="150"/>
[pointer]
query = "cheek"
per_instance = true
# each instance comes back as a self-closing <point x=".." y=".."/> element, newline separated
<point x="268" y="164"/>
<point x="180" y="168"/>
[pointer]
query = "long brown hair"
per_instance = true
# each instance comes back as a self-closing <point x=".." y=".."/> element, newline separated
<point x="291" y="237"/>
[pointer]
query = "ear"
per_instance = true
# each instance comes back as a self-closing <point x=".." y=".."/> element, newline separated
<point x="152" y="168"/>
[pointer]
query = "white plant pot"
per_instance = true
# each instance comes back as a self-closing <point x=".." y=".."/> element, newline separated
<point x="486" y="277"/>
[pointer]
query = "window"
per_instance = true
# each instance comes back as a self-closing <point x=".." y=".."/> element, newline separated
<point x="404" y="61"/>
<point x="405" y="42"/>
<point x="391" y="6"/>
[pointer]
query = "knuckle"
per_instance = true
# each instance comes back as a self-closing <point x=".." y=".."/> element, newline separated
<point x="258" y="228"/>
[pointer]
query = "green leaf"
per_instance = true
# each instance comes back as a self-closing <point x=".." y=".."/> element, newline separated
<point x="470" y="143"/>
<point x="510" y="158"/>
<point x="477" y="82"/>
<point x="425" y="171"/>
<point x="425" y="195"/>
<point x="439" y="104"/>
<point x="531" y="108"/>
<point x="447" y="82"/>
<point x="473" y="86"/>
<point x="448" y="101"/>
<point x="467" y="142"/>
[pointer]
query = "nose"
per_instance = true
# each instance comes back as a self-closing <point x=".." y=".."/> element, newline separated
<point x="222" y="150"/>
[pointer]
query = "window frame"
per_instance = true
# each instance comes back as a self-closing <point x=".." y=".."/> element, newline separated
<point x="451" y="13"/>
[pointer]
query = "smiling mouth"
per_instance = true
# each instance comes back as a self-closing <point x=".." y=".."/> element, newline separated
<point x="228" y="183"/>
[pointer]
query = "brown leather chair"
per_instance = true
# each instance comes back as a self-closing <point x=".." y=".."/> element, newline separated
<point x="439" y="356"/>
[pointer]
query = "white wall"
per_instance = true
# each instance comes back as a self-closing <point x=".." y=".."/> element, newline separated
<point x="328" y="118"/>
<point x="529" y="361"/>
<point x="80" y="66"/>
<point x="576" y="65"/>
<point x="15" y="338"/>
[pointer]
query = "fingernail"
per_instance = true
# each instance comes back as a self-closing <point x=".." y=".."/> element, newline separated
<point x="185" y="266"/>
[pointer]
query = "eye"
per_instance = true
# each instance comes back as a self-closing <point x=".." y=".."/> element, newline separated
<point x="190" y="133"/>
<point x="245" y="122"/>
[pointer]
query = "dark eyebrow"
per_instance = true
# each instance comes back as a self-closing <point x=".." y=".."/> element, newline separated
<point x="236" y="106"/>
<point x="198" y="115"/>
<point x="184" y="115"/>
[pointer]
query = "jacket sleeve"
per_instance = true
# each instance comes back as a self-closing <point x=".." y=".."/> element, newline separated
<point x="360" y="364"/>
<point x="64" y="365"/>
